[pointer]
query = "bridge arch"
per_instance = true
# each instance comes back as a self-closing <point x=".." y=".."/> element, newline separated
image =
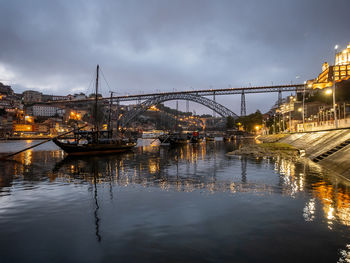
<point x="211" y="104"/>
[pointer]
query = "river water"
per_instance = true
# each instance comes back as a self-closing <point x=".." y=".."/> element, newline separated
<point x="161" y="204"/>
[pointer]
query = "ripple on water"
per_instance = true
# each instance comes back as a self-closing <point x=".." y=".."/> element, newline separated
<point x="178" y="204"/>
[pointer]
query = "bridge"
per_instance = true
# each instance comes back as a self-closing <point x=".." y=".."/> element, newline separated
<point x="198" y="96"/>
<point x="211" y="104"/>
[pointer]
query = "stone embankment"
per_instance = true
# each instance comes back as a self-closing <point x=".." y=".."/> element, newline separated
<point x="330" y="149"/>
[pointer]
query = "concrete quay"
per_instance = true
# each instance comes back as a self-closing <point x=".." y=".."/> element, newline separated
<point x="330" y="149"/>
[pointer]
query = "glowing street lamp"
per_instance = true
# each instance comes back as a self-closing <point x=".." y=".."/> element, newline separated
<point x="328" y="91"/>
<point x="334" y="110"/>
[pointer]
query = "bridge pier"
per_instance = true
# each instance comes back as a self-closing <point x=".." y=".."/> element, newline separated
<point x="279" y="97"/>
<point x="214" y="113"/>
<point x="243" y="106"/>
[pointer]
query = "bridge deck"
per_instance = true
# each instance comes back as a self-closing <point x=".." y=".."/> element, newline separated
<point x="205" y="92"/>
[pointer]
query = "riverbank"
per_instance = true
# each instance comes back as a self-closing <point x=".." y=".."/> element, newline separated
<point x="267" y="149"/>
<point x="330" y="149"/>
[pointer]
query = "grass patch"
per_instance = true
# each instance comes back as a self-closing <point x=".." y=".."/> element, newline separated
<point x="272" y="137"/>
<point x="277" y="146"/>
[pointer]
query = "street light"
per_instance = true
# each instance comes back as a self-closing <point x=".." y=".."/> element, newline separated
<point x="335" y="112"/>
<point x="304" y="106"/>
<point x="328" y="91"/>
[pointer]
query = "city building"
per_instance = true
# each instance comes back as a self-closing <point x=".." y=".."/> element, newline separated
<point x="45" y="111"/>
<point x="46" y="97"/>
<point x="341" y="70"/>
<point x="32" y="96"/>
<point x="5" y="90"/>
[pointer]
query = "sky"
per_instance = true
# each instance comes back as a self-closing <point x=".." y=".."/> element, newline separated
<point x="162" y="45"/>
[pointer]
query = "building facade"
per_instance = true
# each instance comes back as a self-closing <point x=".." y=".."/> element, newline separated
<point x="32" y="96"/>
<point x="339" y="72"/>
<point x="45" y="111"/>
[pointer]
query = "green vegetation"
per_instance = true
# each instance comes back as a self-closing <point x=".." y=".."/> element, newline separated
<point x="230" y="122"/>
<point x="3" y="112"/>
<point x="278" y="146"/>
<point x="166" y="109"/>
<point x="250" y="121"/>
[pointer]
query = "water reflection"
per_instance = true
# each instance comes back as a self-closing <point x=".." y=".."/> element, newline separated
<point x="344" y="255"/>
<point x="97" y="207"/>
<point x="189" y="168"/>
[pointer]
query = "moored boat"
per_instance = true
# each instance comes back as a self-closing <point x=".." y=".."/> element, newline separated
<point x="209" y="138"/>
<point x="96" y="141"/>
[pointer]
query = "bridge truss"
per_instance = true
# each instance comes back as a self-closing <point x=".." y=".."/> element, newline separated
<point x="220" y="109"/>
<point x="198" y="96"/>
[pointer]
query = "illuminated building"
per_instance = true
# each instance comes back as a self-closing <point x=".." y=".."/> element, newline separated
<point x="341" y="70"/>
<point x="23" y="128"/>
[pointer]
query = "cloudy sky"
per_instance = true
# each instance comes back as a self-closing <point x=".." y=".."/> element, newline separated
<point x="149" y="45"/>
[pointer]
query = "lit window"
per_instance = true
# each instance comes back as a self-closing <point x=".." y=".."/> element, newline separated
<point x="336" y="68"/>
<point x="343" y="68"/>
<point x="343" y="73"/>
<point x="336" y="73"/>
<point x="336" y="78"/>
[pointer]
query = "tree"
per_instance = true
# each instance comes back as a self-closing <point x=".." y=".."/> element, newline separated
<point x="250" y="121"/>
<point x="3" y="112"/>
<point x="230" y="122"/>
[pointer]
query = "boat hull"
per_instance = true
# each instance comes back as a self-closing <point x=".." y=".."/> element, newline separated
<point x="89" y="149"/>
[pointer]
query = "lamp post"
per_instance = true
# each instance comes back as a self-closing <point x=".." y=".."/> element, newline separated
<point x="334" y="110"/>
<point x="304" y="106"/>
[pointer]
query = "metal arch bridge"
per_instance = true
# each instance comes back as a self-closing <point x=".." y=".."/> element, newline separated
<point x="213" y="105"/>
<point x="194" y="95"/>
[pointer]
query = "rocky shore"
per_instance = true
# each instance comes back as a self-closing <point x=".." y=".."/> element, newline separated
<point x="267" y="149"/>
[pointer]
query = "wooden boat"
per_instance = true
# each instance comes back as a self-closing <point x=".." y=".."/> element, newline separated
<point x="101" y="146"/>
<point x="209" y="138"/>
<point x="96" y="141"/>
<point x="196" y="137"/>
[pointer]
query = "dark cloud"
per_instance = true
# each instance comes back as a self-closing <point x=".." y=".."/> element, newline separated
<point x="164" y="45"/>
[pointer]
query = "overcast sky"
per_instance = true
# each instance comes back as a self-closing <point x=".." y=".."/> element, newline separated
<point x="148" y="46"/>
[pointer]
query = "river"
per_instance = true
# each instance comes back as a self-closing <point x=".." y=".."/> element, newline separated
<point x="159" y="204"/>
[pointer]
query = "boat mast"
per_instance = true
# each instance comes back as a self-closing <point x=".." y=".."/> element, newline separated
<point x="110" y="130"/>
<point x="96" y="99"/>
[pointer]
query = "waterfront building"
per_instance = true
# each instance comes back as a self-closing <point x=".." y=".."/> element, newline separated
<point x="341" y="70"/>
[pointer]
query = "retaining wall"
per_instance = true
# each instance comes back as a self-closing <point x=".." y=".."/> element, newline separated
<point x="317" y="143"/>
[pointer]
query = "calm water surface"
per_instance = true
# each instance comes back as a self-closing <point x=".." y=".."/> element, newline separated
<point x="156" y="204"/>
